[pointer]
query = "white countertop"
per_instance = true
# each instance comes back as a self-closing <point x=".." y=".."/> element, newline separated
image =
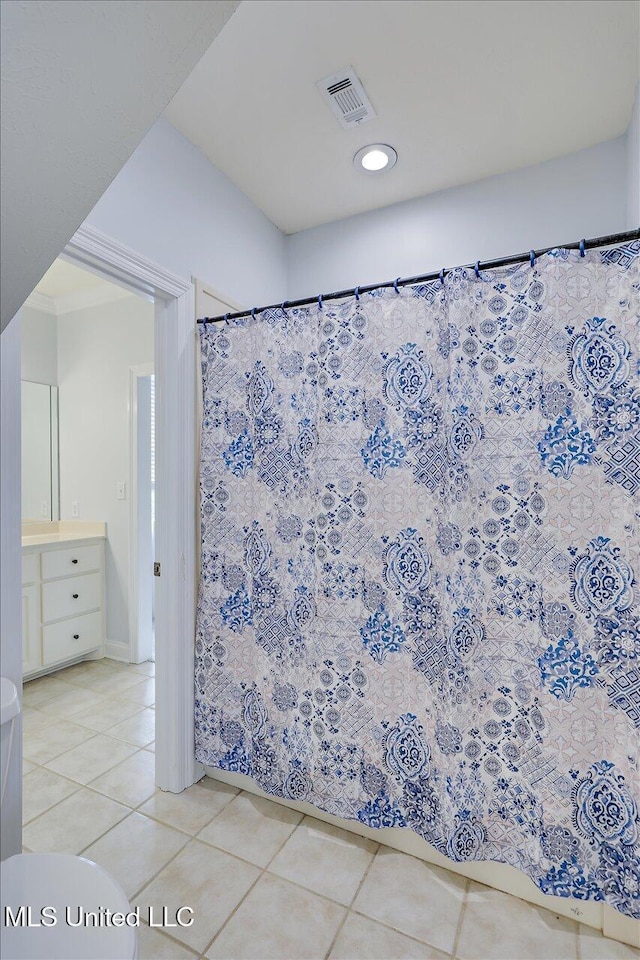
<point x="62" y="531"/>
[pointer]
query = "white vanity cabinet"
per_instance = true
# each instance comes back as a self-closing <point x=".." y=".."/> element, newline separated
<point x="62" y="603"/>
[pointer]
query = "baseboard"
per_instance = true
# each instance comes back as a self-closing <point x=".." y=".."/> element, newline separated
<point x="115" y="650"/>
<point x="500" y="876"/>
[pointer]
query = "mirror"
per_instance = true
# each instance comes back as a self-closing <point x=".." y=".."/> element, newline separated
<point x="40" y="475"/>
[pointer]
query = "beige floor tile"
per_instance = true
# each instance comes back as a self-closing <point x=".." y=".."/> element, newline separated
<point x="414" y="897"/>
<point x="151" y="747"/>
<point x="139" y="729"/>
<point x="87" y="671"/>
<point x="593" y="946"/>
<point x="106" y="714"/>
<point x="131" y="782"/>
<point x="153" y="945"/>
<point x="497" y="926"/>
<point x="135" y="850"/>
<point x="142" y="692"/>
<point x="279" y="920"/>
<point x="72" y="702"/>
<point x="116" y="682"/>
<point x="190" y="810"/>
<point x="35" y="692"/>
<point x="148" y="668"/>
<point x="41" y="790"/>
<point x="33" y="720"/>
<point x="28" y="766"/>
<point x="117" y="664"/>
<point x="212" y="883"/>
<point x="73" y="824"/>
<point x="88" y="760"/>
<point x="57" y="737"/>
<point x="325" y="859"/>
<point x="364" y="939"/>
<point x="252" y="828"/>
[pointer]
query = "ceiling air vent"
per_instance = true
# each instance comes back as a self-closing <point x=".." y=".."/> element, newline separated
<point x="345" y="95"/>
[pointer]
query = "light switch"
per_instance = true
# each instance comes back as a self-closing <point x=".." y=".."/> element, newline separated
<point x="121" y="490"/>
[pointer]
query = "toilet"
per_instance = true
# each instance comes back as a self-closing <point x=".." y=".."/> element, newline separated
<point x="56" y="906"/>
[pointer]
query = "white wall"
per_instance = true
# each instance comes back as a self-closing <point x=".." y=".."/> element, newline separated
<point x="39" y="346"/>
<point x="96" y="347"/>
<point x="582" y="195"/>
<point x="633" y="165"/>
<point x="170" y="204"/>
<point x="82" y="83"/>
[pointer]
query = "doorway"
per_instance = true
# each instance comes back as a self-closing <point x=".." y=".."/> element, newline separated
<point x="88" y="717"/>
<point x="175" y="534"/>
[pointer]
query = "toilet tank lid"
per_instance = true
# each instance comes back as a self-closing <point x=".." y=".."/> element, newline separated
<point x="9" y="702"/>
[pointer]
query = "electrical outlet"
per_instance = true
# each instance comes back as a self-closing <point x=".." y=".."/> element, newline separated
<point x="44" y="508"/>
<point x="75" y="508"/>
<point x="121" y="490"/>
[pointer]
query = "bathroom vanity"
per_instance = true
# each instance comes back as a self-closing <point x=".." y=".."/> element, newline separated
<point x="62" y="594"/>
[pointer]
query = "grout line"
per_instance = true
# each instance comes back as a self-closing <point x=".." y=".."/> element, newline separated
<point x="378" y="847"/>
<point x="352" y="901"/>
<point x="463" y="909"/>
<point x="171" y="939"/>
<point x="235" y="910"/>
<point x="108" y="830"/>
<point x="284" y="843"/>
<point x="263" y="869"/>
<point x="27" y="823"/>
<point x="102" y="772"/>
<point x="402" y="933"/>
<point x="191" y="837"/>
<point x="56" y="756"/>
<point x="146" y="883"/>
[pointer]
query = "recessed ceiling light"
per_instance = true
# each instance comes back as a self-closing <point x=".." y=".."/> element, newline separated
<point x="375" y="158"/>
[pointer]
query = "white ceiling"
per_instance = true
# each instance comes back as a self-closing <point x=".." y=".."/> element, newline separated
<point x="63" y="278"/>
<point x="66" y="287"/>
<point x="463" y="89"/>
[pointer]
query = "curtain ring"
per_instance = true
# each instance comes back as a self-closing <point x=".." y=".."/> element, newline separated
<point x="532" y="258"/>
<point x="582" y="248"/>
<point x="395" y="284"/>
<point x="253" y="313"/>
<point x="477" y="269"/>
<point x="442" y="276"/>
<point x="356" y="293"/>
<point x="284" y="306"/>
<point x="320" y="302"/>
<point x="226" y="318"/>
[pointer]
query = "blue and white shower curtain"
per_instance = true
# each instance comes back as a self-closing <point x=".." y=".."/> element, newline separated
<point x="419" y="600"/>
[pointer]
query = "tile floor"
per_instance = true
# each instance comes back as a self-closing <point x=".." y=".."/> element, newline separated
<point x="265" y="883"/>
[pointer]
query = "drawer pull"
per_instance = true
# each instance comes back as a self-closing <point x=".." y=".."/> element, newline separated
<point x="74" y="561"/>
<point x="76" y="636"/>
<point x="75" y="596"/>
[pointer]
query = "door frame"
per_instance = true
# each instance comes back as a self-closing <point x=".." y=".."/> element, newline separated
<point x="136" y="652"/>
<point x="175" y="532"/>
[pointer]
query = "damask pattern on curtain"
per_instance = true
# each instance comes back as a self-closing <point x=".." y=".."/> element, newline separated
<point x="419" y="600"/>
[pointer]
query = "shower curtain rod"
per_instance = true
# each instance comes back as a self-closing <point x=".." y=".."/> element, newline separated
<point x="610" y="240"/>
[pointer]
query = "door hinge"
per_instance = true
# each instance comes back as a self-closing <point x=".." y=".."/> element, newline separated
<point x="156" y="569"/>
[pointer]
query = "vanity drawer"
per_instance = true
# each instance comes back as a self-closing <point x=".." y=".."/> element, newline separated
<point x="73" y="560"/>
<point x="71" y="638"/>
<point x="30" y="568"/>
<point x="69" y="597"/>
